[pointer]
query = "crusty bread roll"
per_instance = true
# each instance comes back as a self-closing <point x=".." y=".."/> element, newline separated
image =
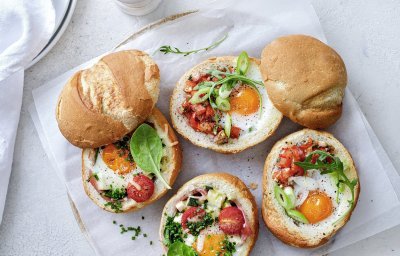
<point x="101" y="104"/>
<point x="274" y="215"/>
<point x="235" y="190"/>
<point x="265" y="126"/>
<point x="170" y="165"/>
<point x="305" y="80"/>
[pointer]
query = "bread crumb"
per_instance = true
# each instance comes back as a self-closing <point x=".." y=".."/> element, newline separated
<point x="253" y="186"/>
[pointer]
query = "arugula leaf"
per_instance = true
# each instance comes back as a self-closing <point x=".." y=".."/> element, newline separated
<point x="334" y="166"/>
<point x="146" y="149"/>
<point x="181" y="249"/>
<point x="170" y="49"/>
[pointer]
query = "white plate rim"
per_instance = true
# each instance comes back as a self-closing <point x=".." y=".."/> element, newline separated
<point x="57" y="34"/>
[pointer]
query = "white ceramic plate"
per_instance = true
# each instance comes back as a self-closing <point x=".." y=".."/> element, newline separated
<point x="64" y="10"/>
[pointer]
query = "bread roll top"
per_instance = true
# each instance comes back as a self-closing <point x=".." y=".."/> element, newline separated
<point x="101" y="104"/>
<point x="305" y="79"/>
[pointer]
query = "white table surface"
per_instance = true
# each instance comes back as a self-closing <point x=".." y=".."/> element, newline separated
<point x="38" y="219"/>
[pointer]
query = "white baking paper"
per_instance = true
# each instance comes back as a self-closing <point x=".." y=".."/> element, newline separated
<point x="250" y="27"/>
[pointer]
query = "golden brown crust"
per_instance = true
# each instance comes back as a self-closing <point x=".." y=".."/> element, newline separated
<point x="101" y="104"/>
<point x="273" y="218"/>
<point x="159" y="119"/>
<point x="305" y="79"/>
<point x="242" y="192"/>
<point x="185" y="130"/>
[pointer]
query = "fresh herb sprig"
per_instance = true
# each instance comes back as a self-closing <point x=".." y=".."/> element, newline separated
<point x="328" y="163"/>
<point x="166" y="49"/>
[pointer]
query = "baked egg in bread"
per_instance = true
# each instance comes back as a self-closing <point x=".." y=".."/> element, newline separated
<point x="118" y="180"/>
<point x="212" y="214"/>
<point x="310" y="188"/>
<point x="221" y="104"/>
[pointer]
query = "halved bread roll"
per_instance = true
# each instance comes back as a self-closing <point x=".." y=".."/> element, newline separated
<point x="101" y="104"/>
<point x="107" y="171"/>
<point x="251" y="122"/>
<point x="311" y="208"/>
<point x="227" y="204"/>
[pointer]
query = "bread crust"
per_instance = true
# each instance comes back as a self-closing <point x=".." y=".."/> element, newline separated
<point x="272" y="214"/>
<point x="305" y="80"/>
<point x="185" y="130"/>
<point x="159" y="120"/>
<point x="101" y="104"/>
<point x="242" y="193"/>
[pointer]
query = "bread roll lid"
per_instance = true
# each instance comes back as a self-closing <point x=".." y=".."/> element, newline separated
<point x="101" y="104"/>
<point x="304" y="77"/>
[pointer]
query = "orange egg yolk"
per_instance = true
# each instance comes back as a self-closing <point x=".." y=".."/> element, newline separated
<point x="244" y="101"/>
<point x="117" y="159"/>
<point x="213" y="245"/>
<point x="316" y="207"/>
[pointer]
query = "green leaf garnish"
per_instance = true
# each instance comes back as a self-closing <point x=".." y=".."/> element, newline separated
<point x="166" y="49"/>
<point x="180" y="249"/>
<point x="146" y="149"/>
<point x="335" y="167"/>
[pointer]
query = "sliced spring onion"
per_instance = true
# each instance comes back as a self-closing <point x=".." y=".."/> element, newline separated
<point x="242" y="63"/>
<point x="296" y="215"/>
<point x="200" y="96"/>
<point x="203" y="85"/>
<point x="228" y="125"/>
<point x="282" y="198"/>
<point x="290" y="194"/>
<point x="225" y="90"/>
<point x="222" y="104"/>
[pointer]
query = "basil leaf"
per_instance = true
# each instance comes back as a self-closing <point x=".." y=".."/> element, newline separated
<point x="181" y="249"/>
<point x="146" y="149"/>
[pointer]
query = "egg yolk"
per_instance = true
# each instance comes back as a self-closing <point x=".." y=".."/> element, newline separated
<point x="213" y="245"/>
<point x="117" y="159"/>
<point x="316" y="207"/>
<point x="244" y="101"/>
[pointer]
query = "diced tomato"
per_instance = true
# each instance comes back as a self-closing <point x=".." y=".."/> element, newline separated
<point x="231" y="220"/>
<point x="210" y="112"/>
<point x="198" y="109"/>
<point x="307" y="145"/>
<point x="193" y="122"/>
<point x="235" y="132"/>
<point x="314" y="158"/>
<point x="192" y="213"/>
<point x="206" y="127"/>
<point x="191" y="83"/>
<point x="145" y="191"/>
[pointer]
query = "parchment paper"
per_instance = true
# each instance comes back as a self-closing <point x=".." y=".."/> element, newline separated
<point x="250" y="27"/>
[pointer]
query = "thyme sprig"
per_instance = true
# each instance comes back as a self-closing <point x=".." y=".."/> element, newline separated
<point x="166" y="49"/>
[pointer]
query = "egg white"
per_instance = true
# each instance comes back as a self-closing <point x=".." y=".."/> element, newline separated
<point x="251" y="123"/>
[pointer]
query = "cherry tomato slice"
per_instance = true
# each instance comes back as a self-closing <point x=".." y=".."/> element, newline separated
<point x="146" y="188"/>
<point x="192" y="213"/>
<point x="231" y="220"/>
